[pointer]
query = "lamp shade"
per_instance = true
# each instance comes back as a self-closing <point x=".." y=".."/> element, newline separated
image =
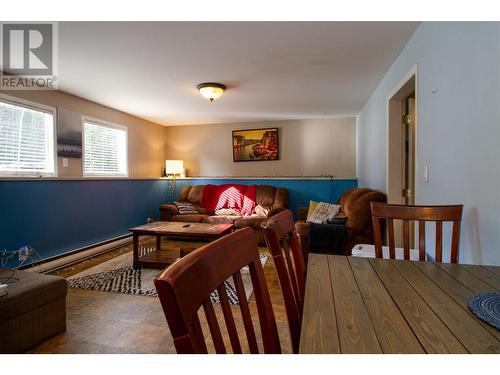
<point x="174" y="167"/>
<point x="211" y="90"/>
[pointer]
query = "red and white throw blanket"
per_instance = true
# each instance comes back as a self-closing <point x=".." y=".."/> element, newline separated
<point x="238" y="197"/>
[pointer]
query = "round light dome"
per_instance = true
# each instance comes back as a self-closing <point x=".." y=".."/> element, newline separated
<point x="211" y="90"/>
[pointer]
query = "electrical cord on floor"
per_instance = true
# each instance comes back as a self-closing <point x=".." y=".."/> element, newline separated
<point x="29" y="255"/>
<point x="8" y="278"/>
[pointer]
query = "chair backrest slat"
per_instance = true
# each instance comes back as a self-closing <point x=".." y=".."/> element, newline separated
<point x="439" y="241"/>
<point x="245" y="313"/>
<point x="406" y="238"/>
<point x="377" y="237"/>
<point x="299" y="265"/>
<point x="264" y="308"/>
<point x="228" y="318"/>
<point x="186" y="285"/>
<point x="421" y="240"/>
<point x="392" y="247"/>
<point x="213" y="325"/>
<point x="439" y="214"/>
<point x="198" y="332"/>
<point x="282" y="242"/>
<point x="292" y="275"/>
<point x="455" y="239"/>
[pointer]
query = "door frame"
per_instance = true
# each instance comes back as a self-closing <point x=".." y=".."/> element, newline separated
<point x="412" y="73"/>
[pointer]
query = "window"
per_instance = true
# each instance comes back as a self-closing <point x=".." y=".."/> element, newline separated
<point x="104" y="149"/>
<point x="26" y="139"/>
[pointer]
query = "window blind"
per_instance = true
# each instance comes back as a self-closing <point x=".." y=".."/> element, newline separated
<point x="26" y="140"/>
<point x="105" y="150"/>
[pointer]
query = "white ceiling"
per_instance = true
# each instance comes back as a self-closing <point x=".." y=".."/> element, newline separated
<point x="273" y="70"/>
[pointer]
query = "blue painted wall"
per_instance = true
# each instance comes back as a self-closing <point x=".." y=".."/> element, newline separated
<point x="57" y="216"/>
<point x="300" y="191"/>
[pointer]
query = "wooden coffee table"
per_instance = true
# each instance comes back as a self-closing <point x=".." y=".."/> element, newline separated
<point x="180" y="230"/>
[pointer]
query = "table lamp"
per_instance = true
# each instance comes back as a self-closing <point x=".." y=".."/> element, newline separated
<point x="173" y="169"/>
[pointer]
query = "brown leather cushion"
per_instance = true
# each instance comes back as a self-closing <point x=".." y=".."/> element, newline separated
<point x="356" y="206"/>
<point x="192" y="218"/>
<point x="253" y="221"/>
<point x="281" y="198"/>
<point x="196" y="193"/>
<point x="302" y="228"/>
<point x="30" y="291"/>
<point x="183" y="194"/>
<point x="351" y="196"/>
<point x="169" y="207"/>
<point x="264" y="195"/>
<point x="302" y="213"/>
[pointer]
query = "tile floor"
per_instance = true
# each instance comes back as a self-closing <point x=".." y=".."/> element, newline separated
<point x="103" y="322"/>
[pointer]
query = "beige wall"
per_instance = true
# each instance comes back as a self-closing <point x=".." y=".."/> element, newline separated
<point x="307" y="148"/>
<point x="146" y="140"/>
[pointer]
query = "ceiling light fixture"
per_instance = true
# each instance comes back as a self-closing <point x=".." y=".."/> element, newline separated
<point x="211" y="90"/>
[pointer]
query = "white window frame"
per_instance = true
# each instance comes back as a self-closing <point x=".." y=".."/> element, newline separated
<point x="42" y="108"/>
<point x="111" y="126"/>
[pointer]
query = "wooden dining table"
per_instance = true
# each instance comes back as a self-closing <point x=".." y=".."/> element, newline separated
<point x="366" y="305"/>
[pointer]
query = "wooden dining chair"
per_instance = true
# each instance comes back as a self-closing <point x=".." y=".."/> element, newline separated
<point x="282" y="242"/>
<point x="422" y="214"/>
<point x="186" y="285"/>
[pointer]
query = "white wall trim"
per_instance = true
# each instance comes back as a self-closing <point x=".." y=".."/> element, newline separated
<point x="357" y="145"/>
<point x="412" y="72"/>
<point x="97" y="178"/>
<point x="265" y="178"/>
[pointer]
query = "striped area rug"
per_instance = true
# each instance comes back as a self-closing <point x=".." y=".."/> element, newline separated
<point x="117" y="275"/>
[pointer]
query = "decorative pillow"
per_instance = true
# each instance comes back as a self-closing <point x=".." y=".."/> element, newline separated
<point x="185" y="208"/>
<point x="262" y="210"/>
<point x="323" y="212"/>
<point x="227" y="212"/>
<point x="312" y="206"/>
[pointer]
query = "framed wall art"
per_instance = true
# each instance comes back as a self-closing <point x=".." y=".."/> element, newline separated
<point x="255" y="144"/>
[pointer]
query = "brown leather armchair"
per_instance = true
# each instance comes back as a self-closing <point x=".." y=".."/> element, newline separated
<point x="355" y="204"/>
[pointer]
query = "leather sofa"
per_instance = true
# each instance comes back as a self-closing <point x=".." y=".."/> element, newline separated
<point x="269" y="199"/>
<point x="355" y="204"/>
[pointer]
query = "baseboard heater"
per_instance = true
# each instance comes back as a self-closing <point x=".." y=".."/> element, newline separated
<point x="78" y="255"/>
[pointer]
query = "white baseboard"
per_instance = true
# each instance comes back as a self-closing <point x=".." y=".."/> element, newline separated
<point x="78" y="256"/>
